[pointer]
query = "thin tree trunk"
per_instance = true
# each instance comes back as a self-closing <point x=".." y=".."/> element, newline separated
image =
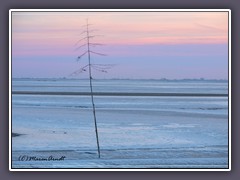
<point x="90" y="81"/>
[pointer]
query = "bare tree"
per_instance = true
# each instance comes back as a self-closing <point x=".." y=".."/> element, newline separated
<point x="89" y="66"/>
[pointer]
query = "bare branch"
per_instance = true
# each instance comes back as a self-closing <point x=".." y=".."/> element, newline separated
<point x="79" y="41"/>
<point x="96" y="44"/>
<point x="83" y="69"/>
<point x="79" y="57"/>
<point x="85" y="66"/>
<point x="101" y="70"/>
<point x="95" y="36"/>
<point x="98" y="53"/>
<point x="80" y="47"/>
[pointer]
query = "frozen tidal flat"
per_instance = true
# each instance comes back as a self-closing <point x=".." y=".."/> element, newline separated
<point x="134" y="132"/>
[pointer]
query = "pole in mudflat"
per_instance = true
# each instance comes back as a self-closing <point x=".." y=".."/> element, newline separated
<point x="90" y="81"/>
<point x="90" y="66"/>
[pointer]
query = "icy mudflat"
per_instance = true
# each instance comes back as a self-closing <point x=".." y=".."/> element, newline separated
<point x="134" y="132"/>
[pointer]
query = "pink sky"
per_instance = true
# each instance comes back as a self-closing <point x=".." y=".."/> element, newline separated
<point x="50" y="33"/>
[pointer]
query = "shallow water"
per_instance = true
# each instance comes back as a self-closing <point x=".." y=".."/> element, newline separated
<point x="145" y="131"/>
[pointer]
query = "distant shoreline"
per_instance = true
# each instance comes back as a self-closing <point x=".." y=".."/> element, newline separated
<point x="125" y="79"/>
<point x="117" y="94"/>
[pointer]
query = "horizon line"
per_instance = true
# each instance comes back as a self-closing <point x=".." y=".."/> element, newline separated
<point x="163" y="79"/>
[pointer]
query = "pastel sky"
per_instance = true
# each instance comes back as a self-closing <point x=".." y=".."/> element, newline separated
<point x="156" y="45"/>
